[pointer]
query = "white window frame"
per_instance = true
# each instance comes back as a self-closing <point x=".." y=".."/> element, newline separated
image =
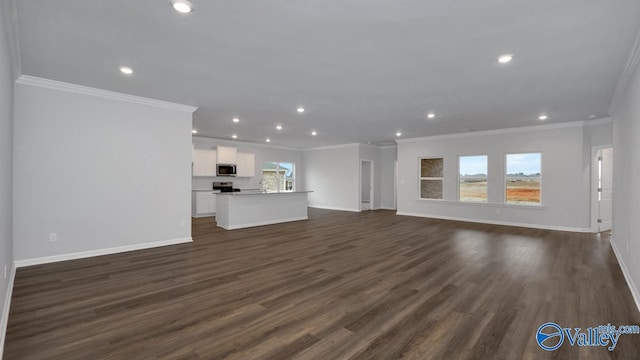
<point x="420" y="178"/>
<point x="504" y="179"/>
<point x="277" y="170"/>
<point x="458" y="185"/>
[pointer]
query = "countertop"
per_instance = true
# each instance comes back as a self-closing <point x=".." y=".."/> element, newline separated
<point x="247" y="193"/>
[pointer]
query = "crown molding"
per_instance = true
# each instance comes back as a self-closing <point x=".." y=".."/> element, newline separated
<point x="333" y="147"/>
<point x="213" y="141"/>
<point x="521" y="129"/>
<point x="10" y="14"/>
<point x="601" y="121"/>
<point x="625" y="77"/>
<point x="112" y="95"/>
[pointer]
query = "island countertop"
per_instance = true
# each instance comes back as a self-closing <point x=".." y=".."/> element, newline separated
<point x="245" y="193"/>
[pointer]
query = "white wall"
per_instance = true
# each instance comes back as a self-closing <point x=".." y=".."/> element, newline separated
<point x="626" y="192"/>
<point x="263" y="153"/>
<point x="388" y="156"/>
<point x="6" y="167"/>
<point x="333" y="174"/>
<point x="100" y="172"/>
<point x="565" y="176"/>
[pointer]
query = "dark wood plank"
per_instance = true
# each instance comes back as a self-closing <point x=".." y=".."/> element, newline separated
<point x="368" y="285"/>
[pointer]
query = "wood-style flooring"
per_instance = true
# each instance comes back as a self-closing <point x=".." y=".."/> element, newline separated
<point x="341" y="285"/>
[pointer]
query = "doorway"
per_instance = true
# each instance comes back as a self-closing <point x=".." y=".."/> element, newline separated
<point x="602" y="193"/>
<point x="366" y="185"/>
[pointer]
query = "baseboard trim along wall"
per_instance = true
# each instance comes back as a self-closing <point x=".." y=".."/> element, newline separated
<point x="99" y="252"/>
<point x="627" y="276"/>
<point x="5" y="309"/>
<point x="333" y="208"/>
<point x="505" y="223"/>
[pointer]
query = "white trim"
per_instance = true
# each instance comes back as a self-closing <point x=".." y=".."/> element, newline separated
<point x="262" y="223"/>
<point x="386" y="208"/>
<point x="627" y="276"/>
<point x="333" y="147"/>
<point x="496" y="132"/>
<point x="100" y="252"/>
<point x="201" y="140"/>
<point x="627" y="73"/>
<point x="333" y="208"/>
<point x="5" y="310"/>
<point x="495" y="222"/>
<point x="601" y="121"/>
<point x="197" y="216"/>
<point x="85" y="90"/>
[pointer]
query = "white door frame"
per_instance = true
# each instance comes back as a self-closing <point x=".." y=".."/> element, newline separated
<point x="371" y="192"/>
<point x="594" y="186"/>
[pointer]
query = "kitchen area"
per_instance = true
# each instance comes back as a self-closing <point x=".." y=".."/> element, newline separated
<point x="246" y="184"/>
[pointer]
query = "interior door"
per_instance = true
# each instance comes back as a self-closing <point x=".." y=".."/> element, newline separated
<point x="605" y="189"/>
<point x="365" y="185"/>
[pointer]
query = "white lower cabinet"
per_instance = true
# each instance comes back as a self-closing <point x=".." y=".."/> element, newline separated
<point x="204" y="203"/>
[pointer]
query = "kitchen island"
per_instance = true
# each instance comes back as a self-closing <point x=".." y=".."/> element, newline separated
<point x="236" y="210"/>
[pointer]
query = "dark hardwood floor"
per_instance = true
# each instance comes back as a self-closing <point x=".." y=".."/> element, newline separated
<point x="369" y="285"/>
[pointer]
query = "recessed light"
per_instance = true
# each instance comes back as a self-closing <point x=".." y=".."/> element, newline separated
<point x="278" y="127"/>
<point x="182" y="6"/>
<point x="592" y="116"/>
<point x="268" y="140"/>
<point x="126" y="70"/>
<point x="431" y="115"/>
<point x="234" y="136"/>
<point x="398" y="133"/>
<point x="236" y="120"/>
<point x="301" y="109"/>
<point x="543" y="117"/>
<point x="314" y="133"/>
<point x="194" y="131"/>
<point x="506" y="58"/>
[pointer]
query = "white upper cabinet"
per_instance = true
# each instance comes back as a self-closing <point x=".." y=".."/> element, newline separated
<point x="227" y="155"/>
<point x="245" y="165"/>
<point x="204" y="162"/>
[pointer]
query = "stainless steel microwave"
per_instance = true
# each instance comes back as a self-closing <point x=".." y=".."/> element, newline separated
<point x="226" y="170"/>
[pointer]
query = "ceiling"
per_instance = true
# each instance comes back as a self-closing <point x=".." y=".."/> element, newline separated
<point x="362" y="69"/>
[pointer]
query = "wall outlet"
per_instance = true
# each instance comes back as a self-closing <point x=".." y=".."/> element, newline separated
<point x="53" y="237"/>
<point x="182" y="223"/>
<point x="5" y="271"/>
<point x="498" y="211"/>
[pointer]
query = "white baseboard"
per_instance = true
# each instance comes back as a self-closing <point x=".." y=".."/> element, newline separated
<point x="494" y="222"/>
<point x="99" y="252"/>
<point x="4" y="320"/>
<point x="627" y="275"/>
<point x="333" y="208"/>
<point x="203" y="215"/>
<point x="387" y="208"/>
<point x="262" y="223"/>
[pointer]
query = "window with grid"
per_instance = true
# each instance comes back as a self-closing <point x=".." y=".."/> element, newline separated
<point x="431" y="178"/>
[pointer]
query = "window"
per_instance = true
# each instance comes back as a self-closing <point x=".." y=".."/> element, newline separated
<point x="472" y="176"/>
<point x="278" y="176"/>
<point x="431" y="178"/>
<point x="523" y="175"/>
